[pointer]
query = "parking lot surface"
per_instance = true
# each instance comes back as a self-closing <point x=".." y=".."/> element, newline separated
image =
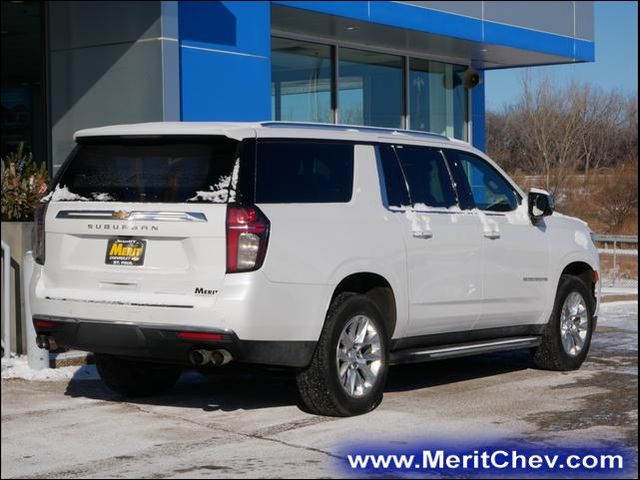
<point x="249" y="424"/>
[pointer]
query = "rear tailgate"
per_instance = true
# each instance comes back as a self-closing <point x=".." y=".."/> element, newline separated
<point x="176" y="254"/>
<point x="141" y="221"/>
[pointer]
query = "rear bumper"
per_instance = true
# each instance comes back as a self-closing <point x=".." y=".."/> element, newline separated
<point x="164" y="343"/>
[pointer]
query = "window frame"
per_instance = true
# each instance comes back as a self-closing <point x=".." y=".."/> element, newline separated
<point x="463" y="186"/>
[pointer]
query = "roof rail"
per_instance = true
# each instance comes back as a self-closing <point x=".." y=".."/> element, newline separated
<point x="358" y="128"/>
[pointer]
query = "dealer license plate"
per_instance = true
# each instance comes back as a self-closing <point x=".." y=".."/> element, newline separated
<point x="125" y="251"/>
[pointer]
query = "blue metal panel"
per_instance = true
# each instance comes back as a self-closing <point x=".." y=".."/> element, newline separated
<point x="358" y="10"/>
<point x="229" y="26"/>
<point x="478" y="133"/>
<point x="225" y="87"/>
<point x="585" y="50"/>
<point x="225" y="66"/>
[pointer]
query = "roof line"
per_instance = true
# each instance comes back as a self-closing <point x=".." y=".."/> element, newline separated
<point x="354" y="128"/>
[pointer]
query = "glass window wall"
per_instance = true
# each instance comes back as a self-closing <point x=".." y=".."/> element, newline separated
<point x="437" y="99"/>
<point x="370" y="88"/>
<point x="367" y="88"/>
<point x="300" y="81"/>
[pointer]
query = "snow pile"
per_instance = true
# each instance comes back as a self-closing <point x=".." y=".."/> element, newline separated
<point x="63" y="194"/>
<point x="222" y="192"/>
<point x="18" y="367"/>
<point x="102" y="197"/>
<point x="420" y="222"/>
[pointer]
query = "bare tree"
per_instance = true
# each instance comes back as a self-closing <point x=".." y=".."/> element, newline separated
<point x="618" y="199"/>
<point x="545" y="121"/>
<point x="600" y="121"/>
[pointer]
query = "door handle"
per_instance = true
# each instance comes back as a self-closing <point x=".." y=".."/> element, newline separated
<point x="422" y="234"/>
<point x="492" y="235"/>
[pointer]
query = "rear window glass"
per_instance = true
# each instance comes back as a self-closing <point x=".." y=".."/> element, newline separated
<point x="304" y="172"/>
<point x="163" y="171"/>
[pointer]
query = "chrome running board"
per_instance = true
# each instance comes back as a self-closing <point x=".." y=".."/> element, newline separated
<point x="462" y="350"/>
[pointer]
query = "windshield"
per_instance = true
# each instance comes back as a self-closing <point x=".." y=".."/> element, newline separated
<point x="165" y="170"/>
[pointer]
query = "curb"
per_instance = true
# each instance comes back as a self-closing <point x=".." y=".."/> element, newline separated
<point x="72" y="358"/>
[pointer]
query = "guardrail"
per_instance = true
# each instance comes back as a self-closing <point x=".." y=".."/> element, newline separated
<point x="619" y="260"/>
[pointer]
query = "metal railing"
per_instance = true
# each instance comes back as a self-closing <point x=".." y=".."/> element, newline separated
<point x="618" y="260"/>
<point x="6" y="298"/>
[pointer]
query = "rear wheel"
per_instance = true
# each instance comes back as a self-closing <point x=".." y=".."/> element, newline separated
<point x="349" y="367"/>
<point x="567" y="336"/>
<point x="133" y="378"/>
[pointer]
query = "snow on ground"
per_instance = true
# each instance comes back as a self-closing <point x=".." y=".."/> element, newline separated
<point x="622" y="315"/>
<point x="18" y="367"/>
<point x="620" y="290"/>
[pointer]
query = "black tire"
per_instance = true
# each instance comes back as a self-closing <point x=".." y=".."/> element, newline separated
<point x="551" y="355"/>
<point x="132" y="378"/>
<point x="319" y="384"/>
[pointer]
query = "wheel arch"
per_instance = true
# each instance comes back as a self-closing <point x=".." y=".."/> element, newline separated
<point x="585" y="272"/>
<point x="377" y="288"/>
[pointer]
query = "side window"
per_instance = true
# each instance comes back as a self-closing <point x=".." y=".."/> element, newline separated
<point x="394" y="182"/>
<point x="489" y="189"/>
<point x="427" y="176"/>
<point x="304" y="172"/>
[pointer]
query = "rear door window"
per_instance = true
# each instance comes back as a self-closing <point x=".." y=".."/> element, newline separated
<point x="166" y="170"/>
<point x="394" y="181"/>
<point x="304" y="172"/>
<point x="427" y="176"/>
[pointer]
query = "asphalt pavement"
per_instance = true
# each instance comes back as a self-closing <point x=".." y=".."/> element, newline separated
<point x="249" y="424"/>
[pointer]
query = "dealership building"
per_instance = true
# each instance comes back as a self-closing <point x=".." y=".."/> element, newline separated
<point x="68" y="65"/>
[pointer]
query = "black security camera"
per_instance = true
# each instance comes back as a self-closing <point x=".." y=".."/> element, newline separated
<point x="469" y="79"/>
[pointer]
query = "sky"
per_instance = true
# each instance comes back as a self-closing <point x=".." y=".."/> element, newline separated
<point x="616" y="65"/>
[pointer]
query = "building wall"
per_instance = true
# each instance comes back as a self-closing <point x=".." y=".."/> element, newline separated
<point x="125" y="62"/>
<point x="106" y="67"/>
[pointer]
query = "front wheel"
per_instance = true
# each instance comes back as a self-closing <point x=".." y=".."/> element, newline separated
<point x="348" y="371"/>
<point x="133" y="378"/>
<point x="567" y="336"/>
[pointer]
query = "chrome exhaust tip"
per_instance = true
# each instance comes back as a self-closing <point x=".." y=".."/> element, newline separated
<point x="220" y="357"/>
<point x="200" y="357"/>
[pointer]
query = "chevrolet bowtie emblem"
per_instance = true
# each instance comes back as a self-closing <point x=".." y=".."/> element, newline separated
<point x="120" y="214"/>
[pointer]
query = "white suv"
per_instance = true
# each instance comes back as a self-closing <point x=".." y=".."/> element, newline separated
<point x="335" y="250"/>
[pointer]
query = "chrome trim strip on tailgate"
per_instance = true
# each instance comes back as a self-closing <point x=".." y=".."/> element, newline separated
<point x="115" y="302"/>
<point x="139" y="215"/>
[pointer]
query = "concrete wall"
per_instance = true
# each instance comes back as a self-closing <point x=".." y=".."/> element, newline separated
<point x="106" y="66"/>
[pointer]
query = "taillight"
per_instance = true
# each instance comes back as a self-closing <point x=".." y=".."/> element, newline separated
<point x="39" y="234"/>
<point x="247" y="237"/>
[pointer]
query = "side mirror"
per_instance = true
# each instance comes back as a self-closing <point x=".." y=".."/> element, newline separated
<point x="541" y="204"/>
